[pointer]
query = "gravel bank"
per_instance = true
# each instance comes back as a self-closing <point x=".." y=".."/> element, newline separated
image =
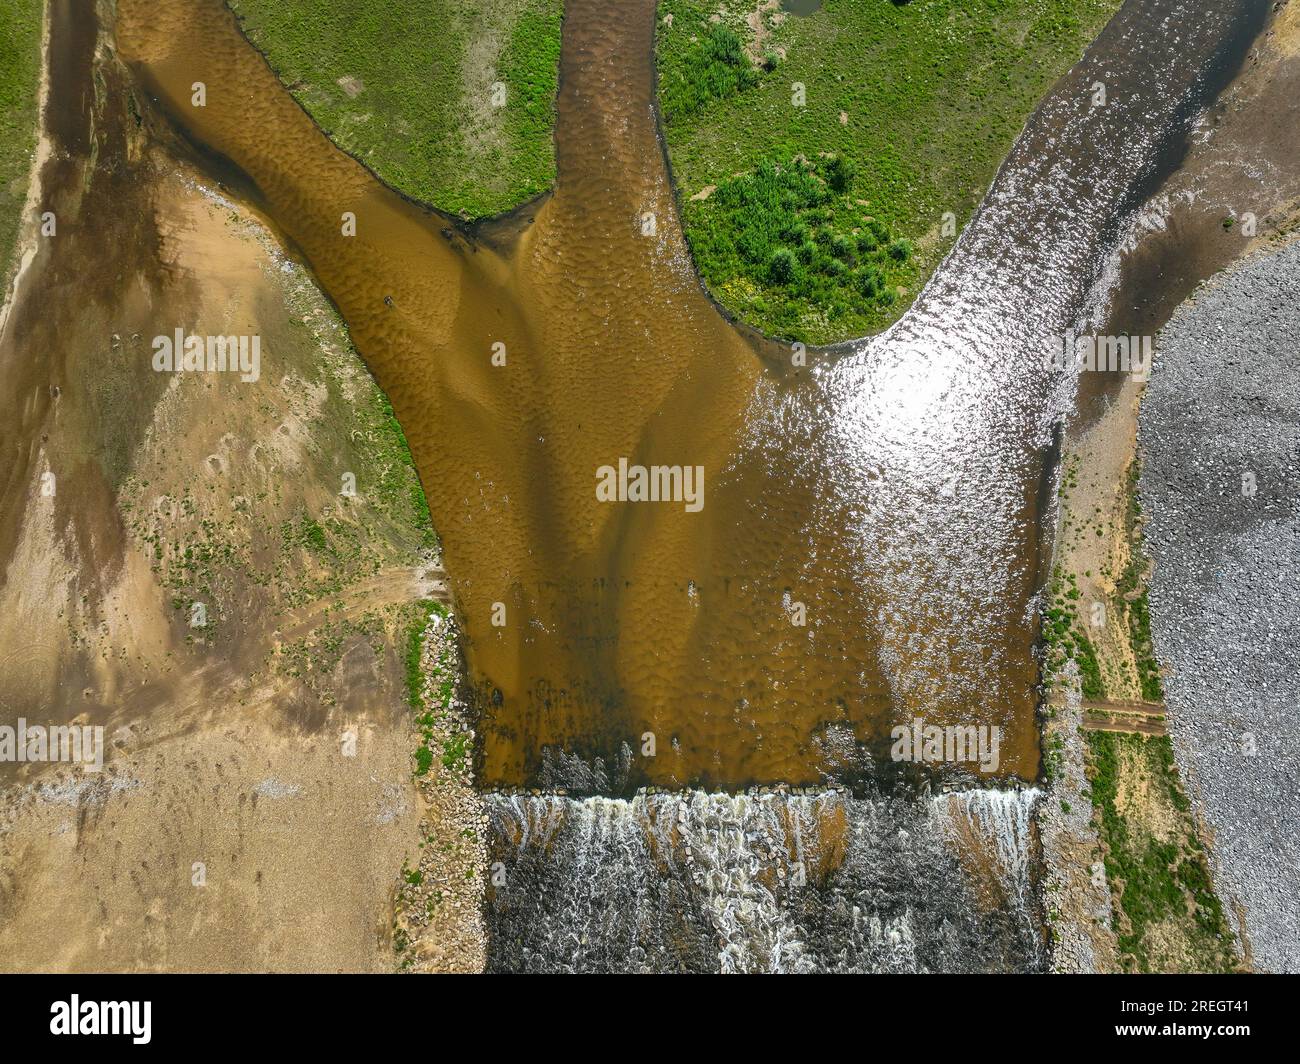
<point x="1224" y="402"/>
<point x="439" y="919"/>
<point x="1076" y="897"/>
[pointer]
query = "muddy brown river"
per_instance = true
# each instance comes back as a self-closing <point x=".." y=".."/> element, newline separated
<point x="871" y="526"/>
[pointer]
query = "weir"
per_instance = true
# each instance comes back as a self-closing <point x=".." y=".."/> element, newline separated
<point x="764" y="883"/>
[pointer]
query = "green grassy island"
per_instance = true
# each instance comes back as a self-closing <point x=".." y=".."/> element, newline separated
<point x="817" y="156"/>
<point x="451" y="102"/>
<point x="20" y="71"/>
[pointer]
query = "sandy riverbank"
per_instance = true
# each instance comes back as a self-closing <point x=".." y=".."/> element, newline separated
<point x="257" y="803"/>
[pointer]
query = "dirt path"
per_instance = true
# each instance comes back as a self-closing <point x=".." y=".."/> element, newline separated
<point x="1141" y="718"/>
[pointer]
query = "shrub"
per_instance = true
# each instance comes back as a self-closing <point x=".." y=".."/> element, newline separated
<point x="716" y="67"/>
<point x="900" y="250"/>
<point x="781" y="269"/>
<point x="781" y="229"/>
<point x="839" y="173"/>
<point x="871" y="281"/>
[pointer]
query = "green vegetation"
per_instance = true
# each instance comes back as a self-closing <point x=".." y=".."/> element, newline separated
<point x="455" y="750"/>
<point x="1132" y="587"/>
<point x="311" y="535"/>
<point x="1063" y="638"/>
<point x="1089" y="671"/>
<point x="1166" y="914"/>
<point x="827" y="207"/>
<point x="415" y="650"/>
<point x="20" y="66"/>
<point x="1138" y="613"/>
<point x="398" y="489"/>
<point x="435" y="711"/>
<point x="778" y="227"/>
<point x="711" y="67"/>
<point x="413" y="89"/>
<point x="1053" y="756"/>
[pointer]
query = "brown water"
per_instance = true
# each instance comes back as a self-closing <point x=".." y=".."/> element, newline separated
<point x="621" y="618"/>
<point x="893" y="488"/>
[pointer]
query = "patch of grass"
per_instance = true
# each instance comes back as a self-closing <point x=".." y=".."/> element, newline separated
<point x="530" y="65"/>
<point x="1089" y="670"/>
<point x="1063" y="638"/>
<point x="422" y="612"/>
<point x="397" y="486"/>
<point x="711" y="67"/>
<point x="409" y="87"/>
<point x="780" y="226"/>
<point x="1133" y="591"/>
<point x="1155" y="878"/>
<point x="455" y="750"/>
<point x="414" y="651"/>
<point x="312" y="536"/>
<point x="20" y="69"/>
<point x="932" y="93"/>
<point x="1053" y="757"/>
<point x="1139" y="628"/>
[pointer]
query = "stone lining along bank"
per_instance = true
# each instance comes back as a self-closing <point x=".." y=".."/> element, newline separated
<point x="1220" y="436"/>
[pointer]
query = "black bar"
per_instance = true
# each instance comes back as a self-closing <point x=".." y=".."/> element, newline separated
<point x="432" y="1015"/>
